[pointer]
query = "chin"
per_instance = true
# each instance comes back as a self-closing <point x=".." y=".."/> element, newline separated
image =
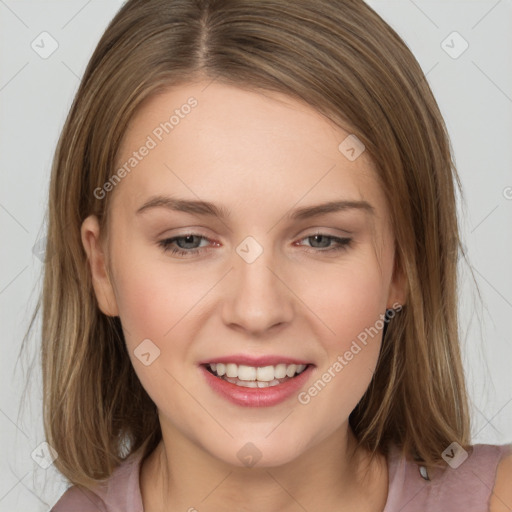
<point x="258" y="452"/>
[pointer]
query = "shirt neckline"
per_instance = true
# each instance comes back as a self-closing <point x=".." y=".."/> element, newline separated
<point x="134" y="499"/>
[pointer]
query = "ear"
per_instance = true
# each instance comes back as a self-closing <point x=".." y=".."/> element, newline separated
<point x="398" y="290"/>
<point x="103" y="288"/>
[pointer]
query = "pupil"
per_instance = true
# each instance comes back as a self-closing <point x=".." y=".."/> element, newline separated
<point x="188" y="240"/>
<point x="319" y="238"/>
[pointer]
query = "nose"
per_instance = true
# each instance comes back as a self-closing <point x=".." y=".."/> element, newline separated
<point x="258" y="297"/>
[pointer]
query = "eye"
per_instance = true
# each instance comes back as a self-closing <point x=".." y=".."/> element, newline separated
<point x="190" y="244"/>
<point x="183" y="242"/>
<point x="323" y="241"/>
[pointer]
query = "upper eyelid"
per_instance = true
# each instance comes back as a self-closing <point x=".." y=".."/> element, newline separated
<point x="345" y="233"/>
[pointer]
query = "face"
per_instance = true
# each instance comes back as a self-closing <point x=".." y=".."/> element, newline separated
<point x="265" y="282"/>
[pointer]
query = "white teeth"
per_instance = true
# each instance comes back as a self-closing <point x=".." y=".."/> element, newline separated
<point x="231" y="370"/>
<point x="259" y="374"/>
<point x="280" y="371"/>
<point x="290" y="371"/>
<point x="265" y="373"/>
<point x="246" y="372"/>
<point x="252" y="383"/>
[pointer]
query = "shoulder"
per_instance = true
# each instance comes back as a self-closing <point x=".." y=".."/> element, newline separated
<point x="483" y="478"/>
<point x="78" y="499"/>
<point x="119" y="492"/>
<point x="501" y="498"/>
<point x="473" y="481"/>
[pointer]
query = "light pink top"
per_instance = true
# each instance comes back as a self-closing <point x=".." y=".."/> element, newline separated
<point x="467" y="488"/>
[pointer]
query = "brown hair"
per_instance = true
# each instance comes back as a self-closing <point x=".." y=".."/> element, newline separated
<point x="339" y="57"/>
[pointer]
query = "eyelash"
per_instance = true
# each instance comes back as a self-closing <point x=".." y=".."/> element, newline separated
<point x="344" y="244"/>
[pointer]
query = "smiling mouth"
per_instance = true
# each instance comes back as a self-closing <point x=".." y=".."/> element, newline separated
<point x="255" y="376"/>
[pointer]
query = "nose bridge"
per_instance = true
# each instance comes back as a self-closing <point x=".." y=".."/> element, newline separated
<point x="258" y="299"/>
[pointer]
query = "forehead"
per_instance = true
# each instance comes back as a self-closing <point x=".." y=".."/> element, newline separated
<point x="236" y="146"/>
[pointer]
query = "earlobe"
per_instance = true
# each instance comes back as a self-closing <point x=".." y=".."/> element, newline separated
<point x="103" y="289"/>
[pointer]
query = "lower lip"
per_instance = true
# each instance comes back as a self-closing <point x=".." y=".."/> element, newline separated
<point x="257" y="397"/>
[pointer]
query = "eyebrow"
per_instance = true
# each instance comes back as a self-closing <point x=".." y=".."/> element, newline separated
<point x="208" y="208"/>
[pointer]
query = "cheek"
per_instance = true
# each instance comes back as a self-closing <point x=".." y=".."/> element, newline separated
<point x="348" y="299"/>
<point x="153" y="296"/>
<point x="156" y="303"/>
<point x="351" y="301"/>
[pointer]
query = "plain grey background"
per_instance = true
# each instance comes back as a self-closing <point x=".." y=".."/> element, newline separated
<point x="470" y="72"/>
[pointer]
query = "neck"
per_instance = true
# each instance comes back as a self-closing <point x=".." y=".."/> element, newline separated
<point x="334" y="474"/>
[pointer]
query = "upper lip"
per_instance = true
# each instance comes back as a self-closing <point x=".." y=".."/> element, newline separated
<point x="269" y="360"/>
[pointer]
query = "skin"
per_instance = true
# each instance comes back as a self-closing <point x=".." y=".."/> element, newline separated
<point x="501" y="497"/>
<point x="260" y="155"/>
